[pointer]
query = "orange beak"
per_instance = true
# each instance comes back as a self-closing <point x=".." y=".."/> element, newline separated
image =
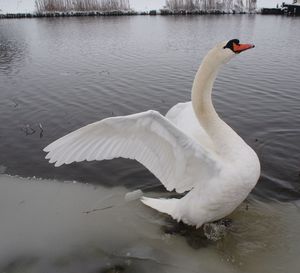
<point x="238" y="48"/>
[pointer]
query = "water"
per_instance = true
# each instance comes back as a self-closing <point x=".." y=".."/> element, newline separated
<point x="57" y="75"/>
<point x="50" y="226"/>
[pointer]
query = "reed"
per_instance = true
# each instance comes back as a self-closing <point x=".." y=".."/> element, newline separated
<point x="212" y="5"/>
<point x="81" y="5"/>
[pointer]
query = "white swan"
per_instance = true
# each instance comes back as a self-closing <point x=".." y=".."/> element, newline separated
<point x="191" y="149"/>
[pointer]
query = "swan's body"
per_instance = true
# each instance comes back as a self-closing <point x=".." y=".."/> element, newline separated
<point x="191" y="149"/>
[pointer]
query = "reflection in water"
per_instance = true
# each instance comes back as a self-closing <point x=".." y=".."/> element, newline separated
<point x="11" y="52"/>
<point x="45" y="228"/>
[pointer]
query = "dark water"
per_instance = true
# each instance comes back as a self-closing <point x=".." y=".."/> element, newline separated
<point x="65" y="73"/>
<point x="57" y="75"/>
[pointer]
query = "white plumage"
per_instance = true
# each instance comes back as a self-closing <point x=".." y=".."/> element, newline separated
<point x="191" y="149"/>
<point x="147" y="137"/>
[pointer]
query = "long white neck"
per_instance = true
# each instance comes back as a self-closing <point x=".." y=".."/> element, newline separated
<point x="226" y="141"/>
<point x="201" y="92"/>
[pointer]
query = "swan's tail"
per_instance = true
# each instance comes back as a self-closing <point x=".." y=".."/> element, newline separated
<point x="168" y="206"/>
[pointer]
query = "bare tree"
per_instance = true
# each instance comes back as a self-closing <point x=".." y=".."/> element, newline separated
<point x="81" y="5"/>
<point x="210" y="5"/>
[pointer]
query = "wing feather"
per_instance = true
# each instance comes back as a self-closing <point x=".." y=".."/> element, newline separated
<point x="177" y="160"/>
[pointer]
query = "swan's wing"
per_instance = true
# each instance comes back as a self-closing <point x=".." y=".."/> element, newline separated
<point x="183" y="116"/>
<point x="175" y="159"/>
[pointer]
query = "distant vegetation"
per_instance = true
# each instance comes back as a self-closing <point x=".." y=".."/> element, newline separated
<point x="81" y="5"/>
<point x="67" y="8"/>
<point x="212" y="5"/>
<point x="124" y="5"/>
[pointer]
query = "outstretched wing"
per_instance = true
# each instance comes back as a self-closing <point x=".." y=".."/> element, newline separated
<point x="183" y="116"/>
<point x="177" y="160"/>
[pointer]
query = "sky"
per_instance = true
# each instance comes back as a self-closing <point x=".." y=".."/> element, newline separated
<point x="28" y="5"/>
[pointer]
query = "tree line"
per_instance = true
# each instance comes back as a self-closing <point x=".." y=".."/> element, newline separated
<point x="81" y="5"/>
<point x="208" y="5"/>
<point x="174" y="5"/>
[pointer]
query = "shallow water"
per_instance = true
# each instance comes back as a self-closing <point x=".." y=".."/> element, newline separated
<point x="50" y="226"/>
<point x="59" y="74"/>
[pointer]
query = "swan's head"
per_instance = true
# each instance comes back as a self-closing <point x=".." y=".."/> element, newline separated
<point x="225" y="51"/>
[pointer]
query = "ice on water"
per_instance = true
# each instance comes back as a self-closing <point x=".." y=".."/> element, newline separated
<point x="51" y="226"/>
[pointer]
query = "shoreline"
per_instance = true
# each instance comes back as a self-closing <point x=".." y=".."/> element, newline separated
<point x="114" y="13"/>
<point x="66" y="14"/>
<point x="162" y="12"/>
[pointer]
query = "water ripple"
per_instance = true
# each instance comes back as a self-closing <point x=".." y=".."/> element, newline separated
<point x="68" y="72"/>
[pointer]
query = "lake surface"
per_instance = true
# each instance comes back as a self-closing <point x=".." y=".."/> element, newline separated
<point x="59" y="74"/>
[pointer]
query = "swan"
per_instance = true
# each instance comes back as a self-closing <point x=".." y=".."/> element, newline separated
<point x="190" y="150"/>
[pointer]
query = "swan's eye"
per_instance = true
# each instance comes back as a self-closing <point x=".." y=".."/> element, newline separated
<point x="231" y="44"/>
